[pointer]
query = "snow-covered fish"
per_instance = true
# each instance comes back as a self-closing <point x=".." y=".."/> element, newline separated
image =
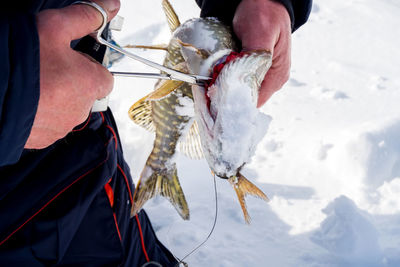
<point x="196" y="46"/>
<point x="230" y="124"/>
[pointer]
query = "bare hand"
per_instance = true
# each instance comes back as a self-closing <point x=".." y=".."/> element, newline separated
<point x="70" y="82"/>
<point x="265" y="24"/>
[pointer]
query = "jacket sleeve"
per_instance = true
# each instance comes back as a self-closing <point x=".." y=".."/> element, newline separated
<point x="299" y="10"/>
<point x="19" y="83"/>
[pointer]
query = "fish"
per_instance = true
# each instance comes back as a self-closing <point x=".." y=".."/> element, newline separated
<point x="184" y="116"/>
<point x="230" y="125"/>
<point x="168" y="111"/>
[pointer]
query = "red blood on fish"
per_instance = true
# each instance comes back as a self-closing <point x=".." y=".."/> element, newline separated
<point x="217" y="70"/>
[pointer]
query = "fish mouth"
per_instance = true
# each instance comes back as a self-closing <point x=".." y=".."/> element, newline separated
<point x="229" y="174"/>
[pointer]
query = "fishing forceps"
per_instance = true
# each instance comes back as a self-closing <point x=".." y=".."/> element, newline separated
<point x="169" y="74"/>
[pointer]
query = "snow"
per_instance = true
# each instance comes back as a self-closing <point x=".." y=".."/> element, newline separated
<point x="197" y="32"/>
<point x="185" y="107"/>
<point x="330" y="162"/>
<point x="348" y="234"/>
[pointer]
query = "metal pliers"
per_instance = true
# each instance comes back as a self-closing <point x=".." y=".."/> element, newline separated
<point x="168" y="74"/>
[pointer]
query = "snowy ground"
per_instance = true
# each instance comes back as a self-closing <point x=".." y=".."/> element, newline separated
<point x="330" y="162"/>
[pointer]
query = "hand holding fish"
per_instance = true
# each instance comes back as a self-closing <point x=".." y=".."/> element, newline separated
<point x="265" y="24"/>
<point x="70" y="82"/>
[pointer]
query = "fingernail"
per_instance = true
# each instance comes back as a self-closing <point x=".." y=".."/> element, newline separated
<point x="109" y="5"/>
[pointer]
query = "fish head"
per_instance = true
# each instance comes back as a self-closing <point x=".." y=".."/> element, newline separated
<point x="202" y="41"/>
<point x="230" y="124"/>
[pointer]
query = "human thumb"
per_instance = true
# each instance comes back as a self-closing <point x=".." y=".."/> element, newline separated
<point x="81" y="19"/>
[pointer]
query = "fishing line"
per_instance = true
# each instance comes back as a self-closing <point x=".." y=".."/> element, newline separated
<point x="180" y="261"/>
<point x="152" y="263"/>
<point x="212" y="229"/>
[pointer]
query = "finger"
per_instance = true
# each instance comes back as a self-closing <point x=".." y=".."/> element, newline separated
<point x="99" y="81"/>
<point x="105" y="84"/>
<point x="279" y="72"/>
<point x="81" y="19"/>
<point x="273" y="81"/>
<point x="277" y="75"/>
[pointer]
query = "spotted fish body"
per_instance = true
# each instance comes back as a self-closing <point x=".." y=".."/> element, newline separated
<point x="160" y="173"/>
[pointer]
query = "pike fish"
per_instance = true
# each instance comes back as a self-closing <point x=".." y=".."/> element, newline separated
<point x="195" y="118"/>
<point x="230" y="125"/>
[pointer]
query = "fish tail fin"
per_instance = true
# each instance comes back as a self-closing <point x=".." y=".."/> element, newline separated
<point x="244" y="187"/>
<point x="165" y="183"/>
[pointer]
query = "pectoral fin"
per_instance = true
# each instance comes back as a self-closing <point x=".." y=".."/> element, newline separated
<point x="140" y="113"/>
<point x="164" y="89"/>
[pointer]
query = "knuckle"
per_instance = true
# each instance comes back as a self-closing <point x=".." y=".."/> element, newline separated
<point x="111" y="6"/>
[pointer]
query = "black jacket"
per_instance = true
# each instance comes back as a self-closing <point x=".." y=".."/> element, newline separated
<point x="69" y="204"/>
<point x="299" y="10"/>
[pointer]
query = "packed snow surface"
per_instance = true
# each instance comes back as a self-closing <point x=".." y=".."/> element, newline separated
<point x="330" y="162"/>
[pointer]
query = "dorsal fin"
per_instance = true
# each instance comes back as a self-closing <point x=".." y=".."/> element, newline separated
<point x="190" y="145"/>
<point x="172" y="18"/>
